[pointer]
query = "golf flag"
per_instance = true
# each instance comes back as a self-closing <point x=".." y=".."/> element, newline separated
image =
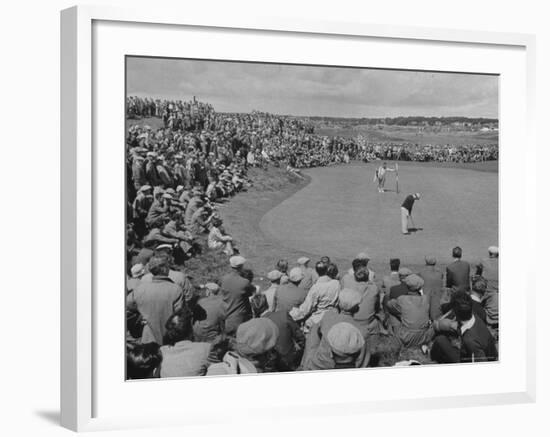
<point x="397" y="178"/>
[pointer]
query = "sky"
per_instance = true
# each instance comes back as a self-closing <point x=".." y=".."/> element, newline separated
<point x="312" y="90"/>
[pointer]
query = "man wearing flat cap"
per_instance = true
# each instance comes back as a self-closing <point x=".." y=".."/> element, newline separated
<point x="274" y="277"/>
<point x="236" y="291"/>
<point x="413" y="312"/>
<point x="213" y="325"/>
<point x="291" y="294"/>
<point x="309" y="275"/>
<point x="433" y="284"/>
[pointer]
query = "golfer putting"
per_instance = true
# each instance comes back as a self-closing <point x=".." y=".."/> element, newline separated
<point x="407" y="222"/>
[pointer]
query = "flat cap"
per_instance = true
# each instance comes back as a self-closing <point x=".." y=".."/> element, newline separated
<point x="349" y="298"/>
<point x="493" y="250"/>
<point x="303" y="260"/>
<point x="345" y="339"/>
<point x="236" y="261"/>
<point x="414" y="282"/>
<point x="256" y="336"/>
<point x="295" y="274"/>
<point x="404" y="271"/>
<point x="274" y="275"/>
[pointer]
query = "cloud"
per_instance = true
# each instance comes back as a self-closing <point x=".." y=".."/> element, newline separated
<point x="311" y="90"/>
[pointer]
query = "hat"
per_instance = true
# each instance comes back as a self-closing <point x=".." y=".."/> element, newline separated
<point x="158" y="190"/>
<point x="493" y="250"/>
<point x="417" y="195"/>
<point x="414" y="282"/>
<point x="303" y="260"/>
<point x="274" y="275"/>
<point x="236" y="261"/>
<point x="212" y="286"/>
<point x="348" y="299"/>
<point x="170" y="191"/>
<point x="345" y="339"/>
<point x="430" y="260"/>
<point x="295" y="274"/>
<point x="363" y="255"/>
<point x="167" y="196"/>
<point x="179" y="188"/>
<point x="137" y="270"/>
<point x="404" y="271"/>
<point x="256" y="336"/>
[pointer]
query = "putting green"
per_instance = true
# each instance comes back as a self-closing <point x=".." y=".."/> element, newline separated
<point x="341" y="213"/>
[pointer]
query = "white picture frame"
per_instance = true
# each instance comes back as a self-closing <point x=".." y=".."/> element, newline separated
<point x="80" y="346"/>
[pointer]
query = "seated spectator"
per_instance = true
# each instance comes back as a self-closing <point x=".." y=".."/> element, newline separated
<point x="290" y="295"/>
<point x="156" y="300"/>
<point x="217" y="239"/>
<point x="479" y="288"/>
<point x="291" y="341"/>
<point x="345" y="348"/>
<point x="282" y="266"/>
<point x="181" y="356"/>
<point x="322" y="296"/>
<point x="413" y="312"/>
<point x="471" y="342"/>
<point x="275" y="279"/>
<point x="142" y="360"/>
<point x="253" y="350"/>
<point x="369" y="314"/>
<point x="309" y="275"/>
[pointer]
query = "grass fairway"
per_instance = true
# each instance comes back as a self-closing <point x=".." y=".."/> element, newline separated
<point x="341" y="213"/>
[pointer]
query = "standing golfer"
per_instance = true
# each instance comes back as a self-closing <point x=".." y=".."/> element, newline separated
<point x="406" y="213"/>
<point x="380" y="176"/>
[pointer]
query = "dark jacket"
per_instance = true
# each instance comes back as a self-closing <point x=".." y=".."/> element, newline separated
<point x="235" y="291"/>
<point x="478" y="344"/>
<point x="433" y="283"/>
<point x="458" y="276"/>
<point x="288" y="296"/>
<point x="291" y="341"/>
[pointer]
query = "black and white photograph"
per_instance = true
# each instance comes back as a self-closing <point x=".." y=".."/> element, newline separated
<point x="289" y="218"/>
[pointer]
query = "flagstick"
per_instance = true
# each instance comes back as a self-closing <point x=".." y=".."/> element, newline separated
<point x="397" y="178"/>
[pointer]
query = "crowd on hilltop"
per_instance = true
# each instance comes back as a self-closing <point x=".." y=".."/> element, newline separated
<point x="430" y="152"/>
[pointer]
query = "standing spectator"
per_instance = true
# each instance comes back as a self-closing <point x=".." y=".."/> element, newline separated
<point x="433" y="283"/>
<point x="392" y="279"/>
<point x="458" y="272"/>
<point x="488" y="269"/>
<point x="213" y="325"/>
<point x="236" y="291"/>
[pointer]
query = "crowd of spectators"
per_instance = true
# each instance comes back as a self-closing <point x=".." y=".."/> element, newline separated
<point x="308" y="318"/>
